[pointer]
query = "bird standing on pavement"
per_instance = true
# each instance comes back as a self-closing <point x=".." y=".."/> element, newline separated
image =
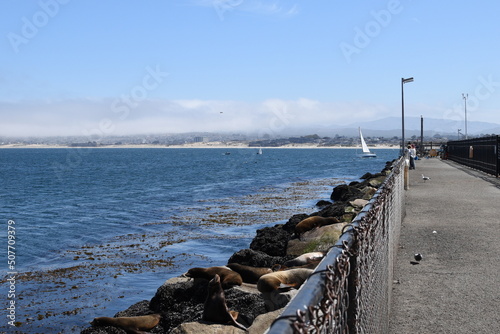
<point x="425" y="178"/>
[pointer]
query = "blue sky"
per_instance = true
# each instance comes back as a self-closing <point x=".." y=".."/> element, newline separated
<point x="71" y="67"/>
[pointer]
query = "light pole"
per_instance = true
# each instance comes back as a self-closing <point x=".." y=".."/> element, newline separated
<point x="403" y="81"/>
<point x="422" y="148"/>
<point x="465" y="96"/>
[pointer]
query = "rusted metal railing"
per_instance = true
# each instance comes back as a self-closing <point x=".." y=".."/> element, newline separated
<point x="350" y="290"/>
<point x="478" y="153"/>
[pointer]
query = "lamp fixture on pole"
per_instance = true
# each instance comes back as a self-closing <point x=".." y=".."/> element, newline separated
<point x="403" y="81"/>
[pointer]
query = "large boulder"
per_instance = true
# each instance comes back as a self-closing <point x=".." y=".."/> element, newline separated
<point x="271" y="240"/>
<point x="264" y="321"/>
<point x="377" y="181"/>
<point x="182" y="300"/>
<point x="250" y="257"/>
<point x="259" y="326"/>
<point x="358" y="203"/>
<point x="344" y="192"/>
<point x="322" y="203"/>
<point x="103" y="330"/>
<point x="316" y="240"/>
<point x="276" y="300"/>
<point x="334" y="210"/>
<point x="368" y="192"/>
<point x="293" y="221"/>
<point x="200" y="327"/>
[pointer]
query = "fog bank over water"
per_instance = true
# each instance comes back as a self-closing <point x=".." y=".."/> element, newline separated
<point x="273" y="117"/>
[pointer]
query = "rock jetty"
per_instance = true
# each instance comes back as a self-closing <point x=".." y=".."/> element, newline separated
<point x="180" y="300"/>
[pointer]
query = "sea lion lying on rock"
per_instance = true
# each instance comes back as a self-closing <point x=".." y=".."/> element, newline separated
<point x="305" y="259"/>
<point x="249" y="274"/>
<point x="215" y="308"/>
<point x="228" y="277"/>
<point x="313" y="222"/>
<point x="132" y="325"/>
<point x="292" y="278"/>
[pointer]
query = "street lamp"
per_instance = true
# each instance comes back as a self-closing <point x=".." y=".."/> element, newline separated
<point x="403" y="81"/>
<point x="465" y="96"/>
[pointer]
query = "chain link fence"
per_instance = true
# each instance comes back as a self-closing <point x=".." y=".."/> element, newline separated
<point x="350" y="290"/>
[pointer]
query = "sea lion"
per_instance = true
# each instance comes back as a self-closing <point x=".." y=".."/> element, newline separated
<point x="292" y="278"/>
<point x="313" y="222"/>
<point x="306" y="259"/>
<point x="228" y="277"/>
<point x="133" y="325"/>
<point x="249" y="274"/>
<point x="215" y="308"/>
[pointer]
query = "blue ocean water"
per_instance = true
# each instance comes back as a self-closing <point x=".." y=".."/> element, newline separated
<point x="67" y="200"/>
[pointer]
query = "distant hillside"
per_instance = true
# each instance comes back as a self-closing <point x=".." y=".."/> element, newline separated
<point x="391" y="126"/>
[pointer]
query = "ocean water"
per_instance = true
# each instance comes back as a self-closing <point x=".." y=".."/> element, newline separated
<point x="100" y="229"/>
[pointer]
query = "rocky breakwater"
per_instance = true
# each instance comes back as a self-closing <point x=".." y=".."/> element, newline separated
<point x="256" y="283"/>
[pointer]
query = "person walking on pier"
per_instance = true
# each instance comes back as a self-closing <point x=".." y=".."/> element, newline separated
<point x="413" y="155"/>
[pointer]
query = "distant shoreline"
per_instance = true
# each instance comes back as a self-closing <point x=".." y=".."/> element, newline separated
<point x="193" y="145"/>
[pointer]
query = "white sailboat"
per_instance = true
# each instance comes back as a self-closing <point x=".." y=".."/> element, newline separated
<point x="260" y="151"/>
<point x="366" y="151"/>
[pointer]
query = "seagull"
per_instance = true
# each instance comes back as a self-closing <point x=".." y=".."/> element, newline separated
<point x="425" y="178"/>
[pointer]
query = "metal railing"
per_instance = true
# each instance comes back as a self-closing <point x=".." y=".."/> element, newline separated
<point x="478" y="153"/>
<point x="350" y="290"/>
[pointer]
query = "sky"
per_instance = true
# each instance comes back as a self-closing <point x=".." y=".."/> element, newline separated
<point x="93" y="67"/>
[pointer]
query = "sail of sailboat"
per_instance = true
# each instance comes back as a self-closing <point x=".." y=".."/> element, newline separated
<point x="366" y="151"/>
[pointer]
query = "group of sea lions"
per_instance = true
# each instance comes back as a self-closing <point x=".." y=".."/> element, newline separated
<point x="291" y="275"/>
<point x="279" y="277"/>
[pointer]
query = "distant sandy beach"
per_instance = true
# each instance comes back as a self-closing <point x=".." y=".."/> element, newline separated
<point x="192" y="145"/>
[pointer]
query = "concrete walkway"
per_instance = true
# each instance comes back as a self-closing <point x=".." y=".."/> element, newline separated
<point x="453" y="220"/>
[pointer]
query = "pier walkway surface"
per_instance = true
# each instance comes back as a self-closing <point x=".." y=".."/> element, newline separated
<point x="453" y="220"/>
